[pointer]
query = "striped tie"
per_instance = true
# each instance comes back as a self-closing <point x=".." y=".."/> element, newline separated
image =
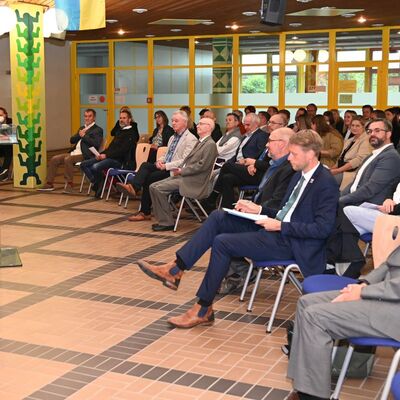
<point x="292" y="199"/>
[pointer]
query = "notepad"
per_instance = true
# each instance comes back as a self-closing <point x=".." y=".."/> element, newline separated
<point x="253" y="217"/>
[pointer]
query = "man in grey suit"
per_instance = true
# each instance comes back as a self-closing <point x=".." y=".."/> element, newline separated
<point x="370" y="308"/>
<point x="373" y="183"/>
<point x="192" y="179"/>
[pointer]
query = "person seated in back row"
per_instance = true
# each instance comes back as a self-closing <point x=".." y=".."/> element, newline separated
<point x="88" y="135"/>
<point x="120" y="152"/>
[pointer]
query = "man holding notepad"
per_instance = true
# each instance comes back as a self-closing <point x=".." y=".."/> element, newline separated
<point x="297" y="230"/>
<point x="88" y="135"/>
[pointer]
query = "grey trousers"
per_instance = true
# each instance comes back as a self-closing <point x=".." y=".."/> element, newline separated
<point x="362" y="218"/>
<point x="68" y="161"/>
<point x="159" y="192"/>
<point x="318" y="323"/>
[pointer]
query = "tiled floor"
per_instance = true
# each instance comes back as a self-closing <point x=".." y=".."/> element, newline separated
<point x="80" y="321"/>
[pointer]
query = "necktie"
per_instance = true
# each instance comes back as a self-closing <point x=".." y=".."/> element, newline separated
<point x="293" y="197"/>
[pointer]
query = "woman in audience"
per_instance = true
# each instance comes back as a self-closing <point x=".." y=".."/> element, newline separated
<point x="191" y="125"/>
<point x="393" y="114"/>
<point x="6" y="150"/>
<point x="355" y="150"/>
<point x="348" y="117"/>
<point x="302" y="122"/>
<point x="227" y="145"/>
<point x="331" y="139"/>
<point x="328" y="115"/>
<point x="161" y="134"/>
<point x="338" y="125"/>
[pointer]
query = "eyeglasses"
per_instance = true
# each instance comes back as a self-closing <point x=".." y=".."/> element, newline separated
<point x="274" y="123"/>
<point x="376" y="130"/>
<point x="203" y="123"/>
<point x="274" y="140"/>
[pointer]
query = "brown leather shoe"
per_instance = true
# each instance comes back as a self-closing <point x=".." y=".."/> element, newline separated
<point x="126" y="188"/>
<point x="139" y="216"/>
<point x="162" y="273"/>
<point x="191" y="318"/>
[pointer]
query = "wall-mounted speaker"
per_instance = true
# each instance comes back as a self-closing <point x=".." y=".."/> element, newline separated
<point x="273" y="12"/>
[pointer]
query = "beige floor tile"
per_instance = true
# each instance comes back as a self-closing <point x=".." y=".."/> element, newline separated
<point x="47" y="270"/>
<point x="8" y="296"/>
<point x="52" y="199"/>
<point x="103" y="244"/>
<point x="75" y="324"/>
<point x="21" y="375"/>
<point x="9" y="211"/>
<point x="19" y="236"/>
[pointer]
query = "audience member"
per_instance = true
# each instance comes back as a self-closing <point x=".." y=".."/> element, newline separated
<point x="331" y="139"/>
<point x="88" y="135"/>
<point x="161" y="134"/>
<point x="202" y="111"/>
<point x="330" y="120"/>
<point x="120" y="152"/>
<point x="372" y="183"/>
<point x="367" y="309"/>
<point x="272" y="110"/>
<point x="366" y="112"/>
<point x="355" y="150"/>
<point x="179" y="146"/>
<point x="264" y="118"/>
<point x="338" y="125"/>
<point x="250" y="109"/>
<point x="392" y="114"/>
<point x="302" y="122"/>
<point x="191" y="125"/>
<point x="378" y="114"/>
<point x="234" y="172"/>
<point x="192" y="179"/>
<point x="227" y="145"/>
<point x="240" y="115"/>
<point x="216" y="133"/>
<point x="348" y="117"/>
<point x="311" y="110"/>
<point x="286" y="113"/>
<point x="298" y="230"/>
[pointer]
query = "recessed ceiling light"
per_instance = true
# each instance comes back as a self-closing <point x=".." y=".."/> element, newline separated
<point x="140" y="10"/>
<point x="377" y="25"/>
<point x="295" y="24"/>
<point x="361" y="20"/>
<point x="249" y="13"/>
<point x="234" y="27"/>
<point x="254" y="31"/>
<point x="327" y="8"/>
<point x="294" y="38"/>
<point x="348" y="15"/>
<point x="196" y="42"/>
<point x="150" y="35"/>
<point x="176" y="30"/>
<point x="304" y="1"/>
<point x="111" y="21"/>
<point x="208" y="22"/>
<point x="121" y="32"/>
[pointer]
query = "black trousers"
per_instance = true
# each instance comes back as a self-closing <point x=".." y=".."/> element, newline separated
<point x="148" y="173"/>
<point x="234" y="175"/>
<point x="6" y="151"/>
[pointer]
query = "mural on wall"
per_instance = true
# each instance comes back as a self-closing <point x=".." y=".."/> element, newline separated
<point x="27" y="79"/>
<point x="222" y="76"/>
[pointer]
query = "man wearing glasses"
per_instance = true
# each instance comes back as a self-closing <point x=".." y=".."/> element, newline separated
<point x="373" y="183"/>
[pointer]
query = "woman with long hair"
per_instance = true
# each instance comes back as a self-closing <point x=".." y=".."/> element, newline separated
<point x="348" y="117"/>
<point x="161" y="134"/>
<point x="331" y="139"/>
<point x="393" y="114"/>
<point x="355" y="150"/>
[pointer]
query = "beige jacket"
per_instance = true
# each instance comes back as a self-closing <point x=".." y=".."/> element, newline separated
<point x="334" y="144"/>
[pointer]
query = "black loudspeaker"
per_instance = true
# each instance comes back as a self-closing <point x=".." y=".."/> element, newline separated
<point x="273" y="12"/>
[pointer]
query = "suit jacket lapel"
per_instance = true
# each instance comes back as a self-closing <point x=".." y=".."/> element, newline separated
<point x="310" y="183"/>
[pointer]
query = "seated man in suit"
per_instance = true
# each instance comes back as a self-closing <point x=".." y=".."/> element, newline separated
<point x="179" y="146"/>
<point x="216" y="133"/>
<point x="373" y="182"/>
<point x="370" y="308"/>
<point x="88" y="135"/>
<point x="298" y="230"/>
<point x="121" y="150"/>
<point x="192" y="179"/>
<point x="234" y="171"/>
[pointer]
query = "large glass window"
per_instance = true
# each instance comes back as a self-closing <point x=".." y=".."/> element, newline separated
<point x="359" y="46"/>
<point x="171" y="52"/>
<point x="171" y="86"/>
<point x="92" y="55"/>
<point x="213" y="86"/>
<point x="93" y="89"/>
<point x="130" y="54"/>
<point x="394" y="69"/>
<point x="130" y="87"/>
<point x="306" y="70"/>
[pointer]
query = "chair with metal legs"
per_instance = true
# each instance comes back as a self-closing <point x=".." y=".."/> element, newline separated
<point x="285" y="268"/>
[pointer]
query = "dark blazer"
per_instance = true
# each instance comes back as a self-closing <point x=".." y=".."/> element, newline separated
<point x="276" y="186"/>
<point x="123" y="147"/>
<point x="166" y="133"/>
<point x="92" y="138"/>
<point x="117" y="128"/>
<point x="216" y="133"/>
<point x="376" y="181"/>
<point x="254" y="146"/>
<point x="312" y="220"/>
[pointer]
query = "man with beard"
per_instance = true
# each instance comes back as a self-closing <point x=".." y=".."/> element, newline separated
<point x="373" y="183"/>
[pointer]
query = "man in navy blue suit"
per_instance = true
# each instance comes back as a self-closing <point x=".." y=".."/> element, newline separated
<point x="298" y="230"/>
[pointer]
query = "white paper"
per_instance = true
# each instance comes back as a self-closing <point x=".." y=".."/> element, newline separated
<point x="253" y="217"/>
<point x="94" y="151"/>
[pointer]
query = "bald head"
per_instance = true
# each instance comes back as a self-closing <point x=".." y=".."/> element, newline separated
<point x="278" y="142"/>
<point x="276" y="121"/>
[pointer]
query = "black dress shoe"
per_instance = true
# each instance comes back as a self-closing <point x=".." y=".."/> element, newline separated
<point x="162" y="228"/>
